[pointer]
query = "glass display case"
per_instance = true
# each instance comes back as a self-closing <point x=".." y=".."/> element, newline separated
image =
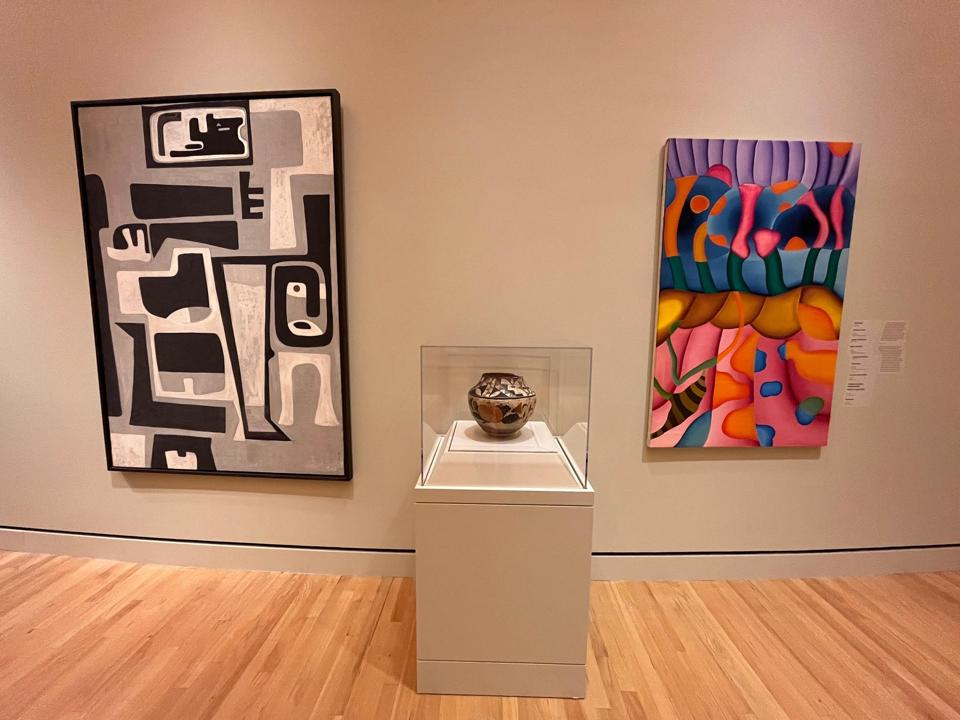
<point x="491" y="415"/>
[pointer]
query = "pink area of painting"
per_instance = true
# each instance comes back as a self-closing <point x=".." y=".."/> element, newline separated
<point x="836" y="216"/>
<point x="702" y="344"/>
<point x="766" y="240"/>
<point x="779" y="411"/>
<point x="670" y="438"/>
<point x="823" y="229"/>
<point x="693" y="346"/>
<point x="720" y="172"/>
<point x="748" y="206"/>
<point x="717" y="437"/>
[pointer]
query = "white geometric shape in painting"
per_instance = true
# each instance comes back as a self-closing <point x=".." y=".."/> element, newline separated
<point x="128" y="450"/>
<point x="316" y="121"/>
<point x="247" y="299"/>
<point x="288" y="362"/>
<point x="136" y="249"/>
<point x="176" y="461"/>
<point x="175" y="134"/>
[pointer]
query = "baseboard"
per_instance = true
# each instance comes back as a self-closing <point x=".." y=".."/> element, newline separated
<point x="322" y="561"/>
<point x="452" y="677"/>
<point x="756" y="566"/>
<point x="346" y="561"/>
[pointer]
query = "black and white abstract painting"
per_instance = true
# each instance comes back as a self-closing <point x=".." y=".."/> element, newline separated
<point x="215" y="247"/>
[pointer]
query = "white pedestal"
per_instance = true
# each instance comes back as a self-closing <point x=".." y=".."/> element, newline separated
<point x="503" y="570"/>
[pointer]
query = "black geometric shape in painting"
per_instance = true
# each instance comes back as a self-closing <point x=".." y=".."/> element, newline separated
<point x="126" y="235"/>
<point x="317" y="224"/>
<point x="151" y="201"/>
<point x="187" y="288"/>
<point x="182" y="444"/>
<point x="188" y="352"/>
<point x="247" y="200"/>
<point x="97" y="219"/>
<point x="217" y="144"/>
<point x="147" y="412"/>
<point x="219" y="233"/>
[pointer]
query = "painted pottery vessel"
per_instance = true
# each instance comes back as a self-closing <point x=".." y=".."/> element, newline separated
<point x="501" y="403"/>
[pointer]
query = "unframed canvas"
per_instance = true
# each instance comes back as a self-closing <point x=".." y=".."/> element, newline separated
<point x="753" y="261"/>
<point x="215" y="250"/>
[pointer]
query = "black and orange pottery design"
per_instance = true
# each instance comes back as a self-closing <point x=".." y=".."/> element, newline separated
<point x="501" y="403"/>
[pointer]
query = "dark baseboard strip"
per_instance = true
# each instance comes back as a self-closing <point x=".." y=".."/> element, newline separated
<point x="811" y="551"/>
<point x="231" y="543"/>
<point x="401" y="551"/>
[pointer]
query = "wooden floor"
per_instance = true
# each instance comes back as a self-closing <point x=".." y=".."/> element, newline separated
<point x="97" y="639"/>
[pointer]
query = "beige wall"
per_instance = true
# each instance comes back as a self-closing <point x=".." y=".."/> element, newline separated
<point x="502" y="172"/>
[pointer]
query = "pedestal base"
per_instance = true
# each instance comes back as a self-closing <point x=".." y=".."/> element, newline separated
<point x="504" y="679"/>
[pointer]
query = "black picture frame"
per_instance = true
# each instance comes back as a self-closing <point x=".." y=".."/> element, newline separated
<point x="100" y="311"/>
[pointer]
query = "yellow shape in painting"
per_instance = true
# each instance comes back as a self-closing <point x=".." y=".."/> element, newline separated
<point x="744" y="357"/>
<point x="671" y="308"/>
<point x="726" y="388"/>
<point x="815" y="322"/>
<point x="729" y="314"/>
<point x="741" y="424"/>
<point x="816" y="365"/>
<point x="778" y="318"/>
<point x="826" y="300"/>
<point x="704" y="307"/>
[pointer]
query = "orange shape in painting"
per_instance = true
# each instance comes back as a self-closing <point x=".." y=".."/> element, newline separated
<point x="778" y="318"/>
<point x="744" y="357"/>
<point x="815" y="365"/>
<point x="720" y="240"/>
<point x="730" y="312"/>
<point x="699" y="203"/>
<point x="780" y="188"/>
<point x="784" y="207"/>
<point x="699" y="241"/>
<point x="726" y="388"/>
<point x="704" y="307"/>
<point x="719" y="206"/>
<point x="671" y="216"/>
<point x="840" y="148"/>
<point x="826" y="300"/>
<point x="741" y="424"/>
<point x="795" y="243"/>
<point x="815" y="322"/>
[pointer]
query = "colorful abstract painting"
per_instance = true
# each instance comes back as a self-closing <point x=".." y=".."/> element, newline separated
<point x="753" y="260"/>
<point x="215" y="253"/>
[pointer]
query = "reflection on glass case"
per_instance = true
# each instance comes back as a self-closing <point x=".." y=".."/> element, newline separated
<point x="490" y="414"/>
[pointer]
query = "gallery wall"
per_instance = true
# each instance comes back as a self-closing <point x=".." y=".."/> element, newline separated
<point x="502" y="173"/>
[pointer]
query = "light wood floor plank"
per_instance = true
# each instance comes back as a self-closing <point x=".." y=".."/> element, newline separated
<point x="84" y="639"/>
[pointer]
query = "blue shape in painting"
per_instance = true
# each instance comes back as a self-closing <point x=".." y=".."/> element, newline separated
<point x="765" y="435"/>
<point x="771" y="388"/>
<point x="696" y="434"/>
<point x="759" y="361"/>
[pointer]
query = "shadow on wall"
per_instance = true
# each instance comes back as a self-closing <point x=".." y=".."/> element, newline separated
<point x="657" y="455"/>
<point x="163" y="482"/>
